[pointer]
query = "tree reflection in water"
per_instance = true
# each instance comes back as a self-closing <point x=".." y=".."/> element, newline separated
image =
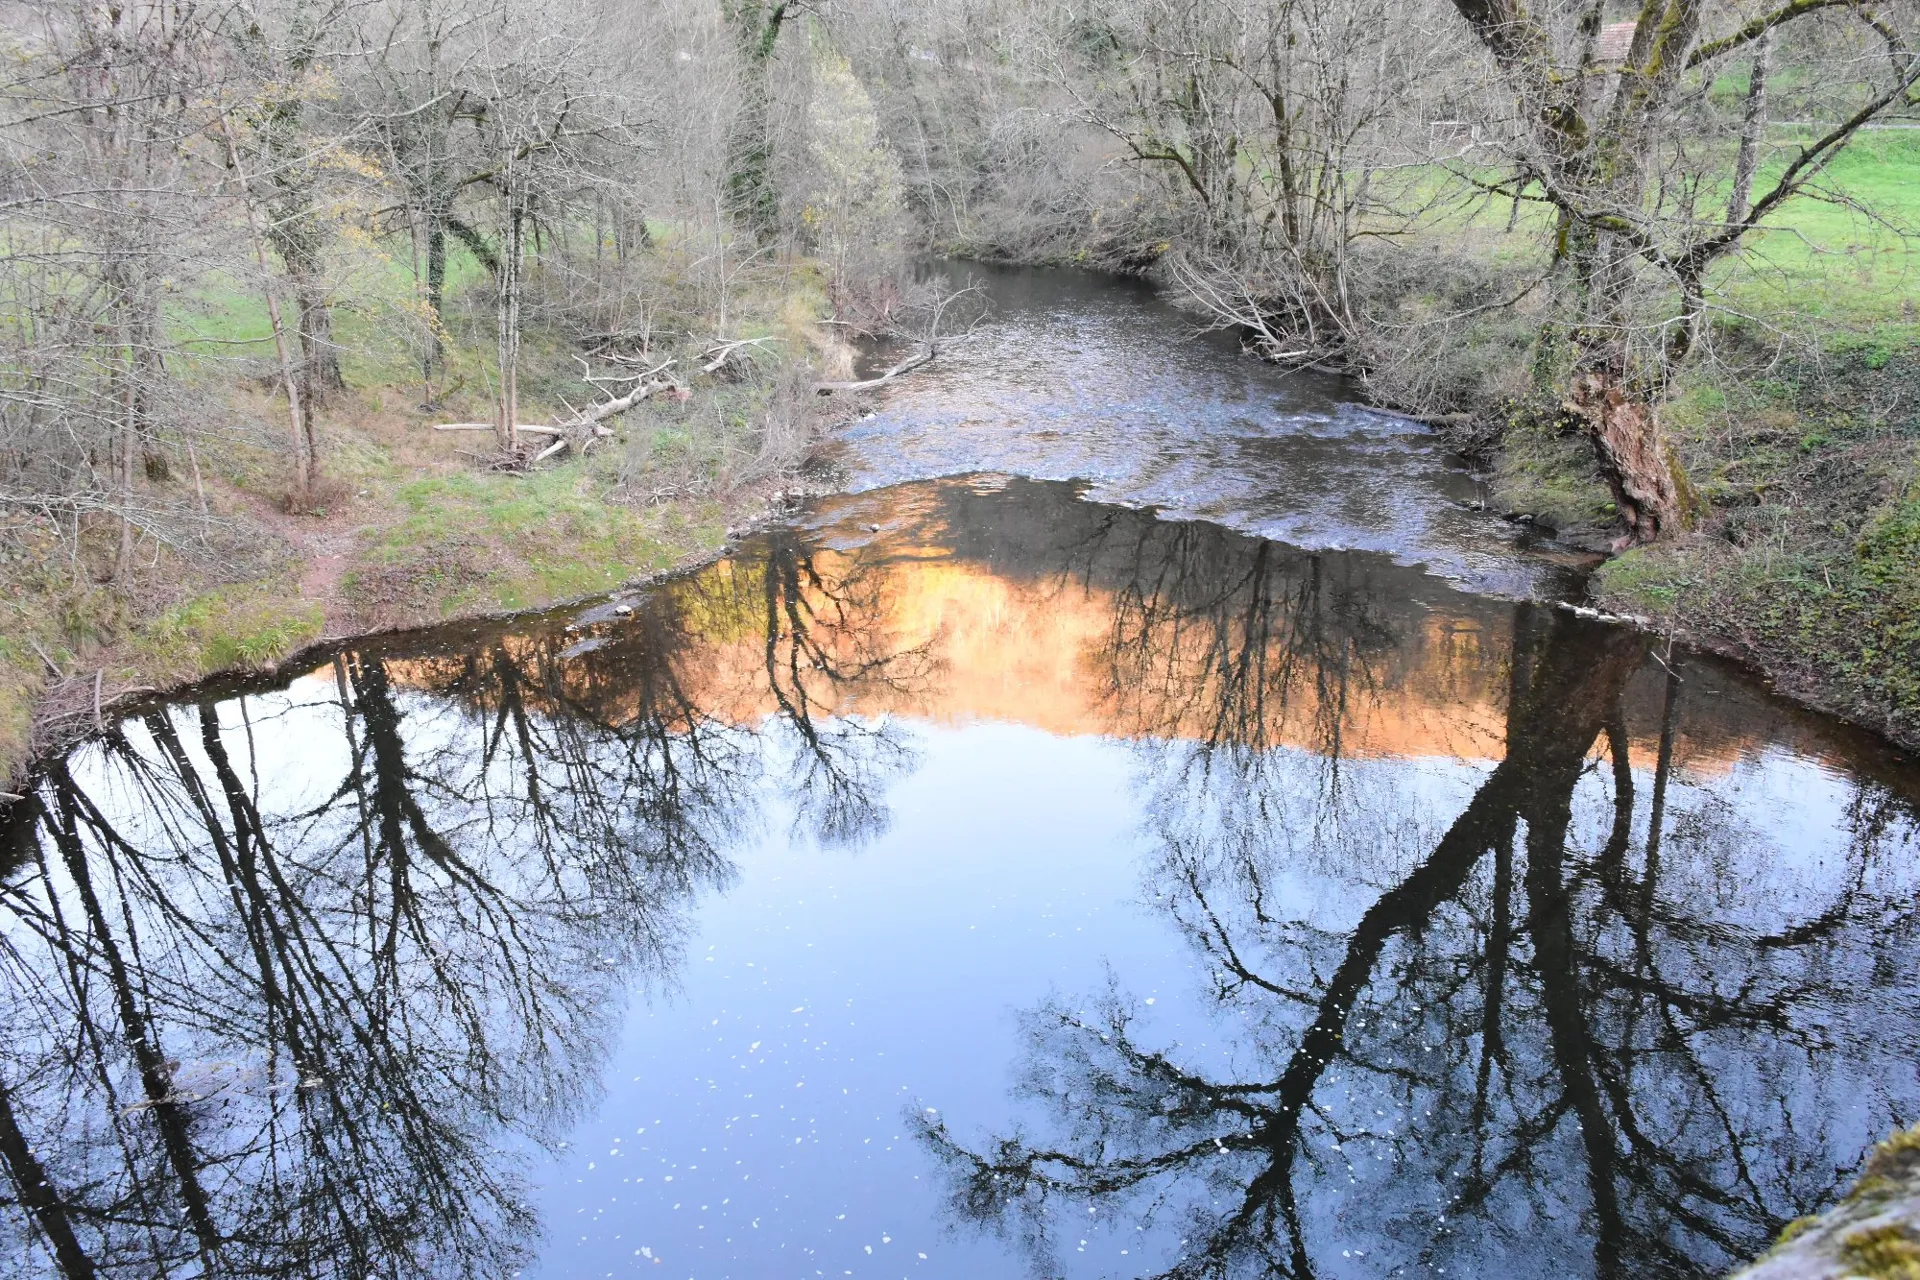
<point x="299" y="983"/>
<point x="1528" y="1045"/>
<point x="295" y="985"/>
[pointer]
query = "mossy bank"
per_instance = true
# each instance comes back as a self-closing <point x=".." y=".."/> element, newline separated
<point x="1805" y="560"/>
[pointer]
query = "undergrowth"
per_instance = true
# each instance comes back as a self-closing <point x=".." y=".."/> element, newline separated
<point x="1808" y="561"/>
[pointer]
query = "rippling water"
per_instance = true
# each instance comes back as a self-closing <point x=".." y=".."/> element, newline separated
<point x="1077" y="377"/>
<point x="973" y="878"/>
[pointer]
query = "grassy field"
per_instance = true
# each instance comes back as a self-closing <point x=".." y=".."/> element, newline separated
<point x="1839" y="264"/>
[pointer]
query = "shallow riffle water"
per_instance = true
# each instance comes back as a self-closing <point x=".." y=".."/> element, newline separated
<point x="1081" y="377"/>
<point x="972" y="878"/>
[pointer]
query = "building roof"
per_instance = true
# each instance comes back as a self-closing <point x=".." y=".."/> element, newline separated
<point x="1616" y="39"/>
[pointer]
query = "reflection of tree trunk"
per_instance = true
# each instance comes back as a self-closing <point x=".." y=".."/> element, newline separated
<point x="1556" y="960"/>
<point x="250" y="902"/>
<point x="156" y="1077"/>
<point x="1564" y="690"/>
<point x="1499" y="943"/>
<point x="1613" y="855"/>
<point x="1566" y="676"/>
<point x="256" y="903"/>
<point x="34" y="1187"/>
<point x="513" y="707"/>
<point x="1657" y="810"/>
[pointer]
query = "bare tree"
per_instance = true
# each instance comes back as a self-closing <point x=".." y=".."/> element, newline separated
<point x="104" y="108"/>
<point x="1641" y="213"/>
<point x="287" y="54"/>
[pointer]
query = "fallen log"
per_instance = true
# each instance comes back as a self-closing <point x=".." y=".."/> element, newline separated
<point x="582" y="424"/>
<point x="867" y="384"/>
<point x="488" y="426"/>
<point x="722" y="351"/>
<point x="607" y="409"/>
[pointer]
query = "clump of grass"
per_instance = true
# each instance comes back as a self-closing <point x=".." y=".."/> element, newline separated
<point x="492" y="541"/>
<point x="254" y="624"/>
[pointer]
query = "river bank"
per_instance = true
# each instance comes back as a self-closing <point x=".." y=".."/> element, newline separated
<point x="1803" y="560"/>
<point x="412" y="529"/>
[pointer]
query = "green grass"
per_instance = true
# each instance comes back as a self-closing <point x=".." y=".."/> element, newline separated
<point x="1816" y="258"/>
<point x="483" y="541"/>
<point x="252" y="624"/>
<point x="1824" y="261"/>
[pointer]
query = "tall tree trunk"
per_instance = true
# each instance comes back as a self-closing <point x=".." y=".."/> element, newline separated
<point x="125" y="434"/>
<point x="1623" y="423"/>
<point x="295" y="228"/>
<point x="434" y="359"/>
<point x="320" y="376"/>
<point x="753" y="200"/>
<point x="1612" y="397"/>
<point x="1753" y="126"/>
<point x="507" y="315"/>
<point x="298" y="428"/>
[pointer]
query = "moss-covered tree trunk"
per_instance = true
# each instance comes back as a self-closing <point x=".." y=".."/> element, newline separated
<point x="296" y="226"/>
<point x="1590" y="158"/>
<point x="753" y="201"/>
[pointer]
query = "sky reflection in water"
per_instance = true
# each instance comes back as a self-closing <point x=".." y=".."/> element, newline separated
<point x="1029" y="886"/>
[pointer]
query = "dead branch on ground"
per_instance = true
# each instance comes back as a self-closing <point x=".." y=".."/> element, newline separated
<point x="970" y="302"/>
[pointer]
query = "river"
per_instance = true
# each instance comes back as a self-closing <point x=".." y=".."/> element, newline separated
<point x="1149" y="824"/>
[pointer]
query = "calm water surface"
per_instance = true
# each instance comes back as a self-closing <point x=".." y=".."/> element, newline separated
<point x="976" y="878"/>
